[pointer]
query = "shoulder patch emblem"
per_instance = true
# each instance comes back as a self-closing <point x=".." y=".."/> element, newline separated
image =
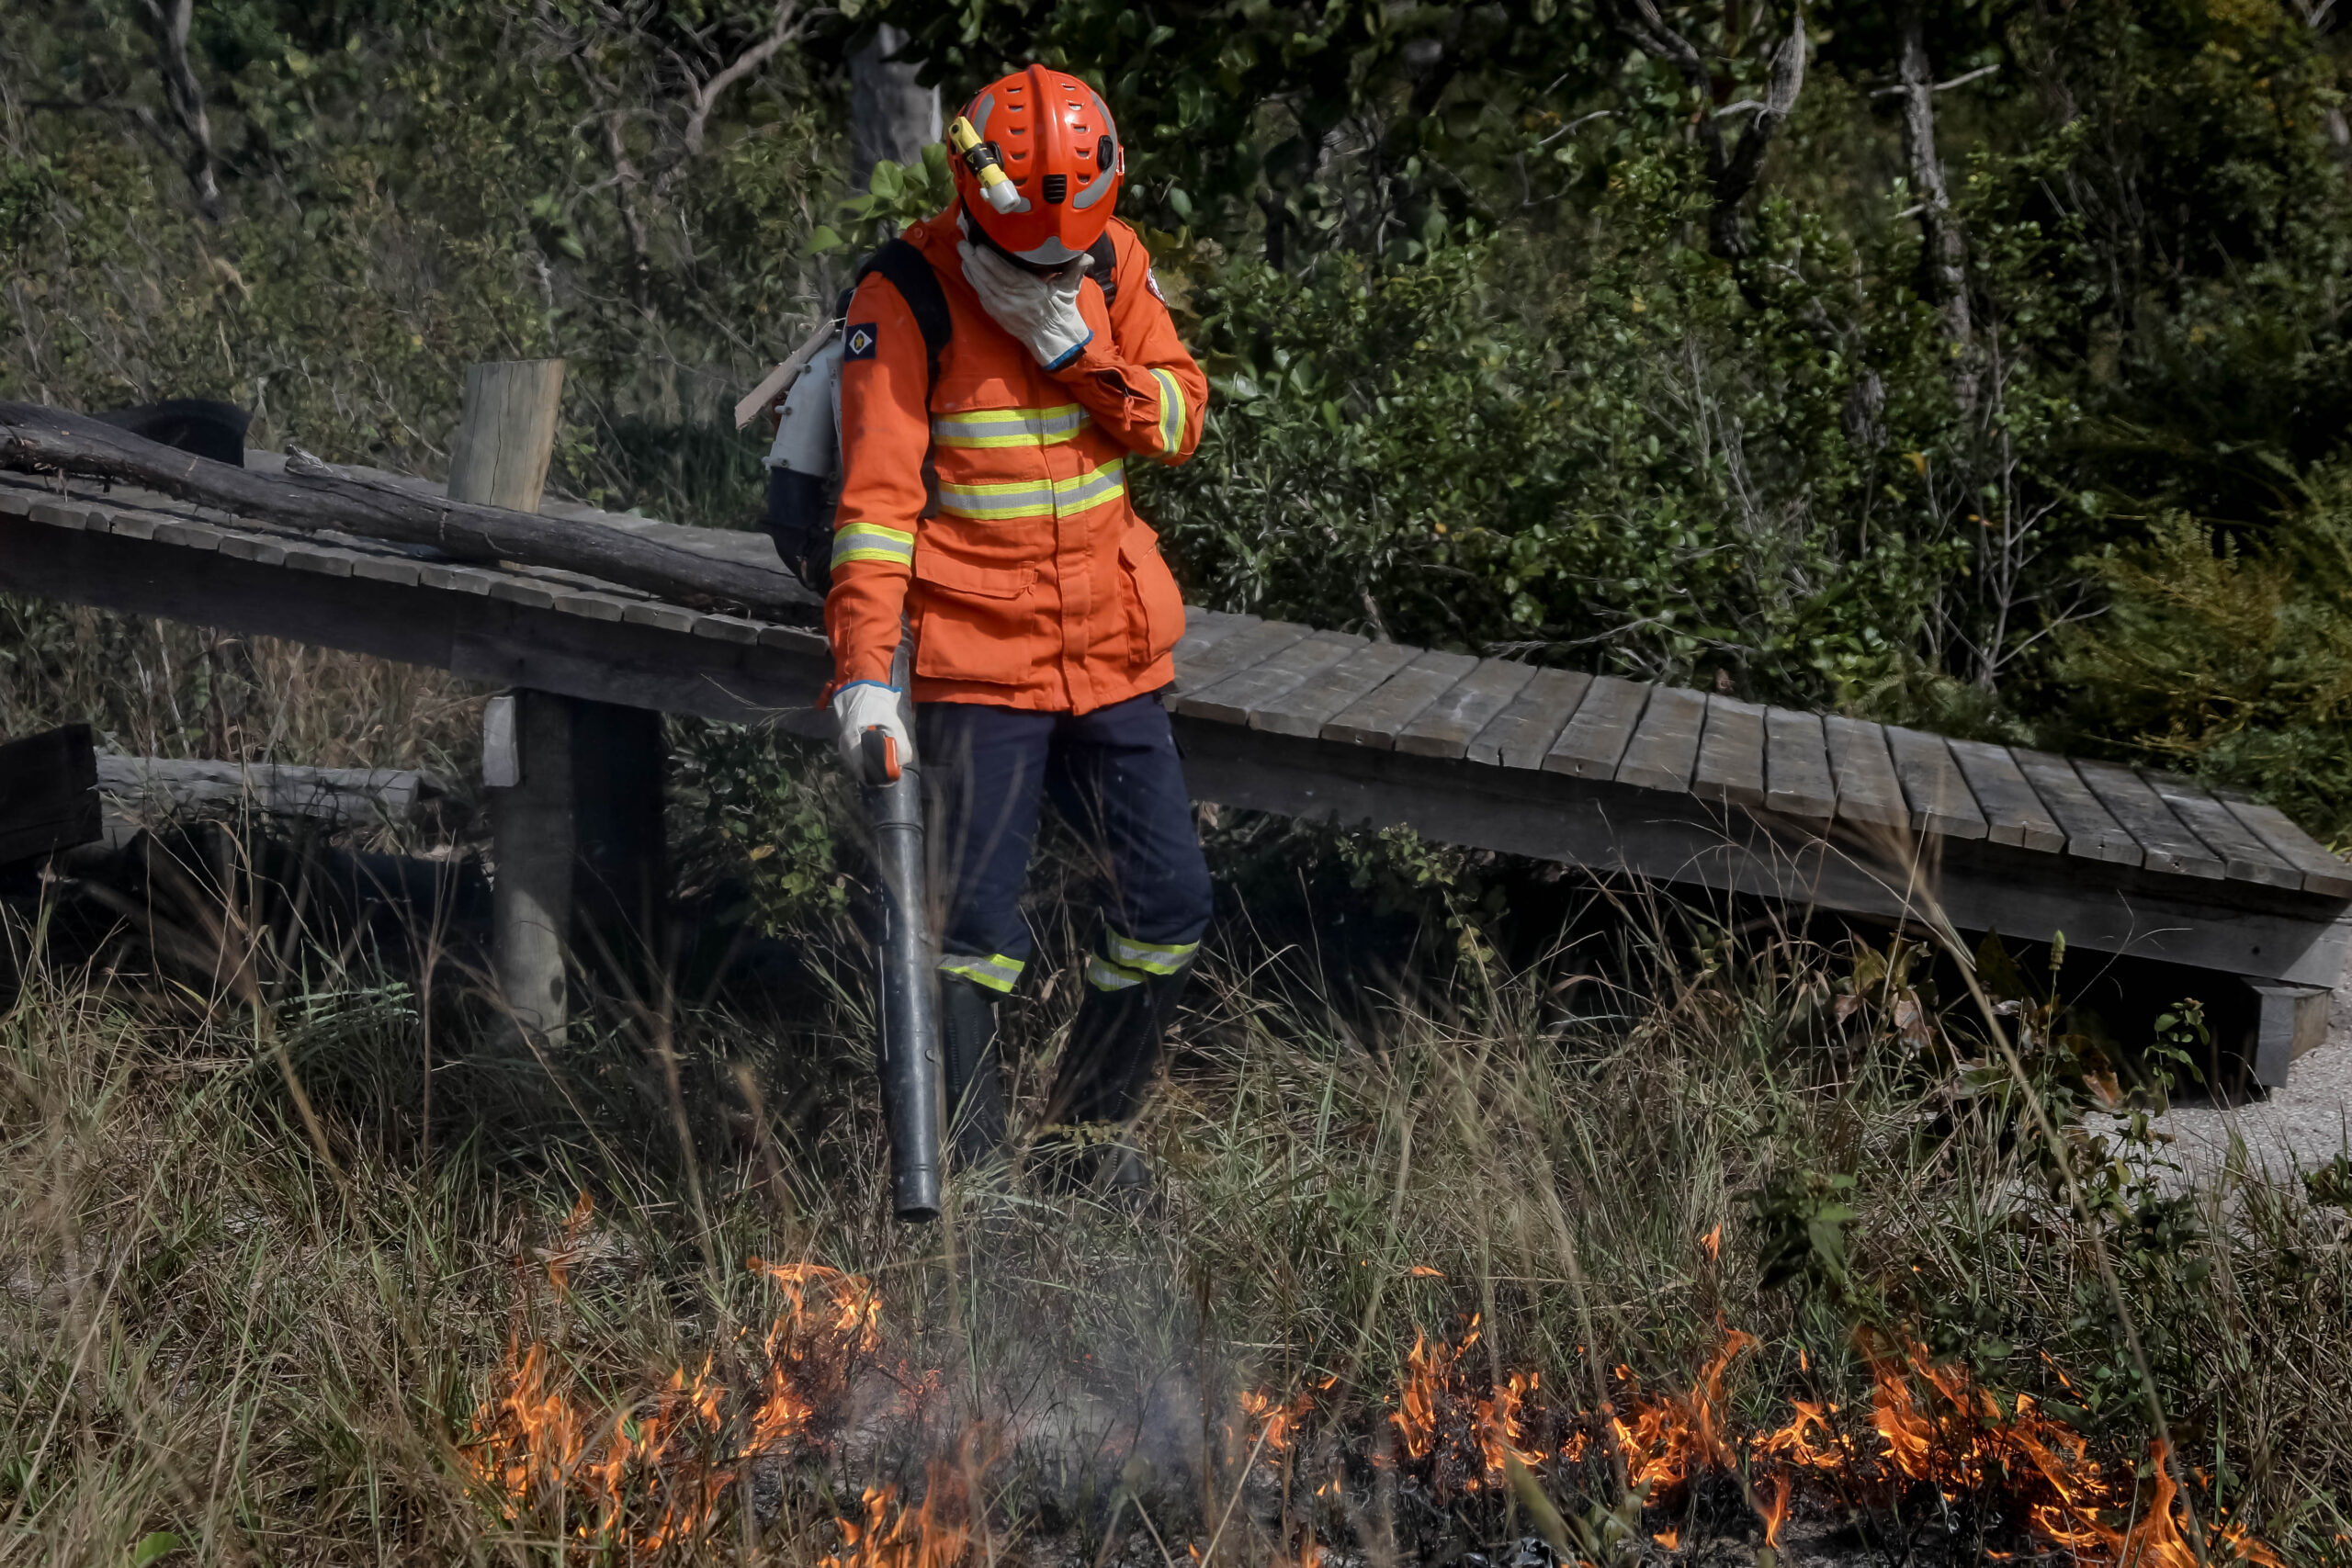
<point x="1151" y="281"/>
<point x="860" y="340"/>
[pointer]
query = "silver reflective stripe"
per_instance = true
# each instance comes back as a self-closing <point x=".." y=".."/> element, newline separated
<point x="1091" y="490"/>
<point x="1151" y="957"/>
<point x="1008" y="427"/>
<point x="1172" y="409"/>
<point x="1028" y="498"/>
<point x="871" y="541"/>
<point x="996" y="503"/>
<point x="998" y="972"/>
<point x="1105" y="976"/>
<point x="980" y="112"/>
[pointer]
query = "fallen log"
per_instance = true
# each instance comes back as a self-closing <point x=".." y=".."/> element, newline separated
<point x="311" y="495"/>
<point x="160" y="788"/>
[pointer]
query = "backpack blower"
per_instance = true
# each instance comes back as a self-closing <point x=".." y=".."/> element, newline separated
<point x="801" y="465"/>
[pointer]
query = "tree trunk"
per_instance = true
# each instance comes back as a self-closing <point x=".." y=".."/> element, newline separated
<point x="890" y="114"/>
<point x="311" y="495"/>
<point x="1943" y="253"/>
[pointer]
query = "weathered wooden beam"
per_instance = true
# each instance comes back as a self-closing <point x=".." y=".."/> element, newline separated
<point x="313" y="496"/>
<point x="447" y="619"/>
<point x="49" y="797"/>
<point x="343" y="797"/>
<point x="2267" y="934"/>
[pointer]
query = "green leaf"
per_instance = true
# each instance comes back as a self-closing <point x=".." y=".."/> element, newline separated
<point x="823" y="238"/>
<point x="150" y="1547"/>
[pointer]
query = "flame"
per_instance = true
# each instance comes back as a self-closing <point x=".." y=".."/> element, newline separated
<point x="1673" y="1438"/>
<point x="653" y="1469"/>
<point x="1775" y="1513"/>
<point x="1465" y="1436"/>
<point x="937" y="1535"/>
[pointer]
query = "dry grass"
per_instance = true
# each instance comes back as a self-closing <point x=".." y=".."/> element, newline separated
<point x="161" y="688"/>
<point x="238" y="1305"/>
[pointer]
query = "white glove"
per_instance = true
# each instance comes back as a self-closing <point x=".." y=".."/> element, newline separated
<point x="869" y="704"/>
<point x="1041" y="312"/>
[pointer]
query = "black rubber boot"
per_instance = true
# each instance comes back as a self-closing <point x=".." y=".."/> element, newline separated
<point x="1113" y="1052"/>
<point x="974" y="1070"/>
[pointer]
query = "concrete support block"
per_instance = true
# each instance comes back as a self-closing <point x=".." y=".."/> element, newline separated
<point x="2291" y="1020"/>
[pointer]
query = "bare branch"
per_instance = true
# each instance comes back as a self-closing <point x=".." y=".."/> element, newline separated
<point x="186" y="97"/>
<point x="744" y="64"/>
<point x="1959" y="80"/>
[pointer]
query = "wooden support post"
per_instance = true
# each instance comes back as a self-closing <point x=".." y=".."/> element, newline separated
<point x="505" y="438"/>
<point x="618" y="881"/>
<point x="49" y="794"/>
<point x="534" y="840"/>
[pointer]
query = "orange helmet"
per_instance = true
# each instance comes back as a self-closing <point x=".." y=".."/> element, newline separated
<point x="1039" y="163"/>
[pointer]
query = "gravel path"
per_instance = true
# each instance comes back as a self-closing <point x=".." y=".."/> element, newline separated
<point x="2305" y="1124"/>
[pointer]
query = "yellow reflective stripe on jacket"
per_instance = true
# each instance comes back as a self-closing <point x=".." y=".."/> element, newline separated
<point x="1030" y="497"/>
<point x="871" y="541"/>
<point x="1008" y="427"/>
<point x="1105" y="976"/>
<point x="1171" y="411"/>
<point x="1151" y="957"/>
<point x="997" y="972"/>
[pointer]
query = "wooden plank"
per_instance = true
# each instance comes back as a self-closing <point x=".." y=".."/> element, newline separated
<point x="2091" y="832"/>
<point x="1519" y="735"/>
<point x="2165" y="843"/>
<point x="1447" y="725"/>
<point x="1664" y="746"/>
<point x="63" y="514"/>
<point x="2322" y="873"/>
<point x="2243" y="854"/>
<point x="1796" y="766"/>
<point x="1235" y="698"/>
<point x="385" y="569"/>
<point x="1932" y="785"/>
<point x="1868" y="790"/>
<point x="2013" y="813"/>
<point x="646" y="612"/>
<point x="48" y="793"/>
<point x="1591" y="742"/>
<point x="1731" y="753"/>
<point x="722" y="628"/>
<point x="1305" y="710"/>
<point x="1203" y="629"/>
<point x="1247" y="646"/>
<point x="1374" y="718"/>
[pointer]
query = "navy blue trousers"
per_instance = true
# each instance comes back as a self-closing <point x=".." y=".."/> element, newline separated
<point x="1115" y="776"/>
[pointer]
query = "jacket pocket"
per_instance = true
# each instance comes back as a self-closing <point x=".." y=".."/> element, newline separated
<point x="974" y="623"/>
<point x="1156" y="605"/>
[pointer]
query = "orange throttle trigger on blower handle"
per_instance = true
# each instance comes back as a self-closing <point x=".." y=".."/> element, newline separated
<point x="879" y="753"/>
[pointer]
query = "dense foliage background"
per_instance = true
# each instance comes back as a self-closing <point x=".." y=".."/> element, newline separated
<point x="1981" y="365"/>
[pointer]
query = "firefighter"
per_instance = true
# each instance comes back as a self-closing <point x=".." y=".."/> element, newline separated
<point x="984" y="500"/>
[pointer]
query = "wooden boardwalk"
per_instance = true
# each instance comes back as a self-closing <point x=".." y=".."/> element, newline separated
<point x="1619" y="777"/>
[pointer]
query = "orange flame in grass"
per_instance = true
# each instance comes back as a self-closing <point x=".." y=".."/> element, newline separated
<point x="1674" y="1436"/>
<point x="1439" y="1415"/>
<point x="653" y="1470"/>
<point x="939" y="1533"/>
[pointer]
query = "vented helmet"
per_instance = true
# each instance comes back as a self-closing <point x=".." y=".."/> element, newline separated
<point x="1038" y="163"/>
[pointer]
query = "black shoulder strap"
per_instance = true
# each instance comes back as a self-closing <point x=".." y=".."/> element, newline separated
<point x="918" y="285"/>
<point x="1106" y="267"/>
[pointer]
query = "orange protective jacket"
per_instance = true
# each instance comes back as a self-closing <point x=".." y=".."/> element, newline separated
<point x="993" y="512"/>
